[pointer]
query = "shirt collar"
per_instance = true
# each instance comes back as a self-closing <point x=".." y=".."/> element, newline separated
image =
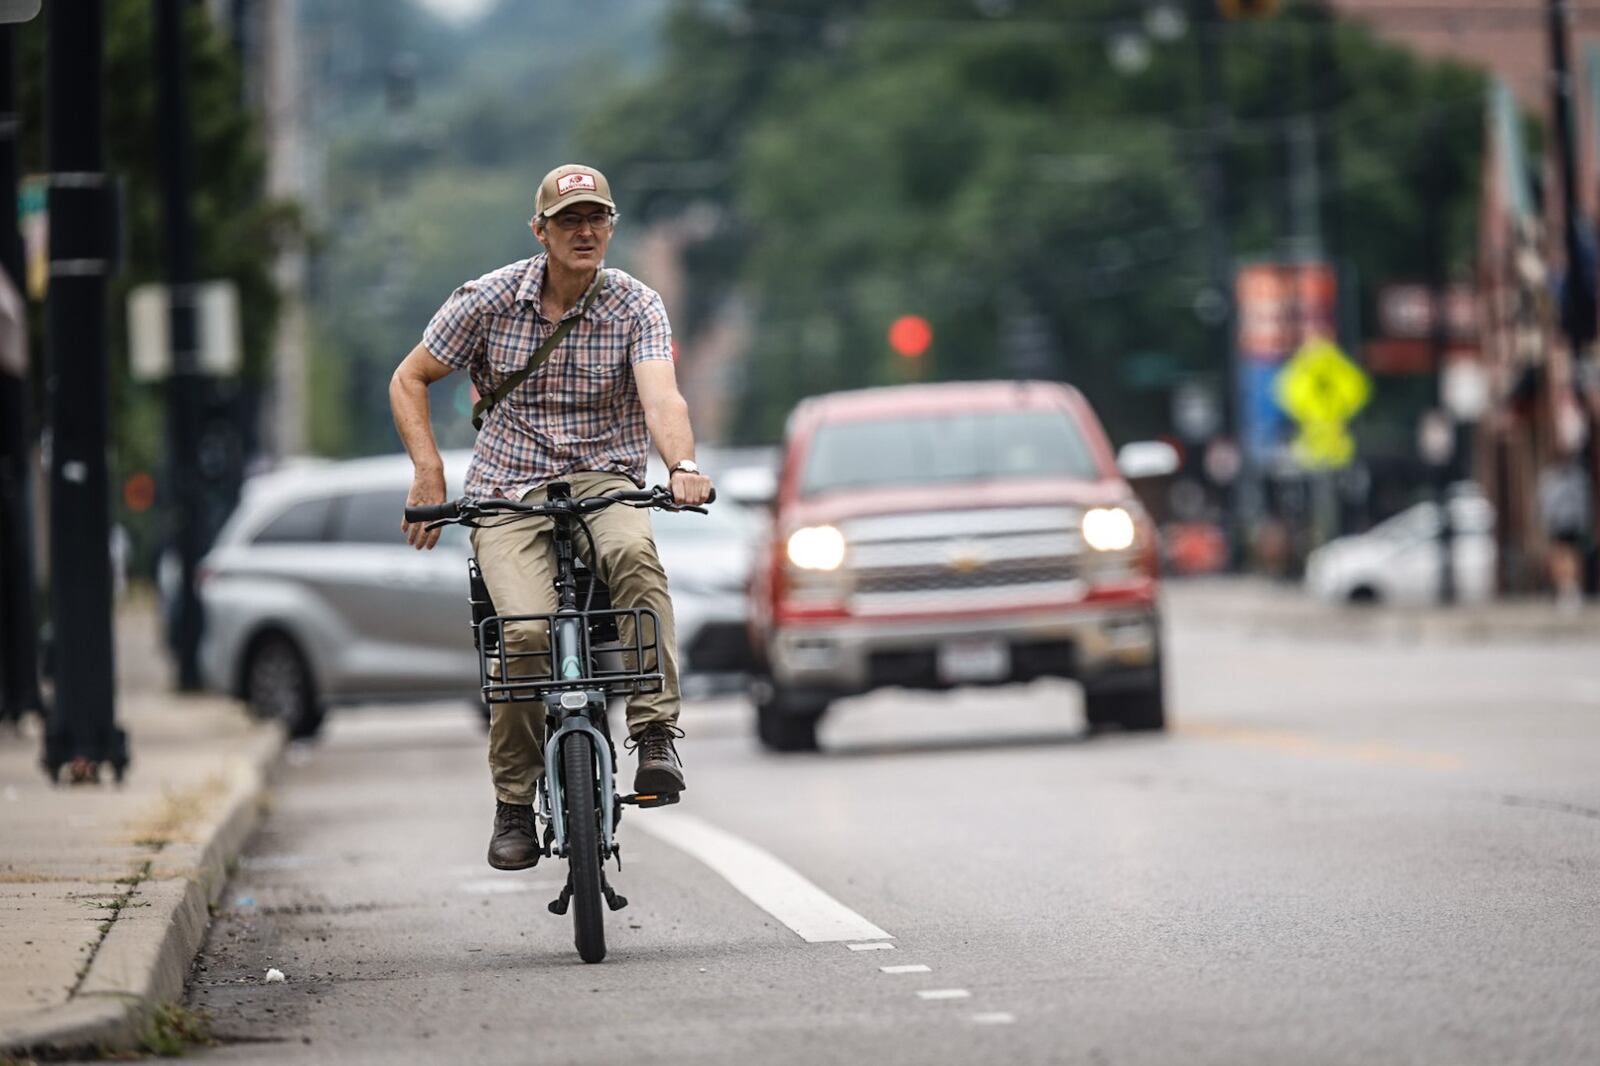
<point x="532" y="288"/>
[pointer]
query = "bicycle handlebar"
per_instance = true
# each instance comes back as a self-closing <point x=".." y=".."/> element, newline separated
<point x="448" y="511"/>
<point x="454" y="510"/>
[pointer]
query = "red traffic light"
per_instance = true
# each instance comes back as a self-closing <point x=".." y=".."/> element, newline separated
<point x="910" y="335"/>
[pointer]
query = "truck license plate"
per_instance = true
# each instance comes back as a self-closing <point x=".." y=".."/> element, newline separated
<point x="974" y="660"/>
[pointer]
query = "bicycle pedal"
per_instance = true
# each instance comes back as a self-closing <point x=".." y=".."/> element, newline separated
<point x="651" y="799"/>
<point x="615" y="900"/>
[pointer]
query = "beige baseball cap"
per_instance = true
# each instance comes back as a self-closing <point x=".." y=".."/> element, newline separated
<point x="572" y="183"/>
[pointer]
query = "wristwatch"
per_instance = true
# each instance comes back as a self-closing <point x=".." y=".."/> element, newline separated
<point x="684" y="466"/>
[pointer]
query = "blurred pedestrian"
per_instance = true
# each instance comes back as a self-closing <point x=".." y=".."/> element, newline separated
<point x="1565" y="510"/>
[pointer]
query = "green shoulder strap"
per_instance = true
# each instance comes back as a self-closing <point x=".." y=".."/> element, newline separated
<point x="486" y="404"/>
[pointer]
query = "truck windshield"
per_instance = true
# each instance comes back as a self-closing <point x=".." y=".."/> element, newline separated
<point x="954" y="446"/>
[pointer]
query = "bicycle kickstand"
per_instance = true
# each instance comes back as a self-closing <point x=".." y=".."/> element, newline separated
<point x="559" y="904"/>
<point x="615" y="900"/>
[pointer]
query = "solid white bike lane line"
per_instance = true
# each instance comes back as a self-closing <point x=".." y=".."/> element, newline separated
<point x="765" y="880"/>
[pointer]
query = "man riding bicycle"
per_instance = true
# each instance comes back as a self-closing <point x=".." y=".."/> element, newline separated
<point x="581" y="417"/>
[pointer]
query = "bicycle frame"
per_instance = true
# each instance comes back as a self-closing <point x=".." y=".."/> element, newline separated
<point x="575" y="693"/>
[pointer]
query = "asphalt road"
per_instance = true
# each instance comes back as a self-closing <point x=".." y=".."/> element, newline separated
<point x="1340" y="854"/>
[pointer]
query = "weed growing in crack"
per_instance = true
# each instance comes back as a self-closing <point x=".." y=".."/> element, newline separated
<point x="173" y="1029"/>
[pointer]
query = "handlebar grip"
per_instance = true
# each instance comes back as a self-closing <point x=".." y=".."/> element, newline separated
<point x="668" y="493"/>
<point x="434" y="512"/>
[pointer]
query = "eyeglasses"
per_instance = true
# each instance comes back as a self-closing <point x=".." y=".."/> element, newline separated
<point x="571" y="221"/>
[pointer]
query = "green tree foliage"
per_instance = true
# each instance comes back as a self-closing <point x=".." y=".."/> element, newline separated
<point x="237" y="229"/>
<point x="437" y="135"/>
<point x="984" y="163"/>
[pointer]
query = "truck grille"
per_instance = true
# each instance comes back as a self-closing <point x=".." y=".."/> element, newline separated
<point x="965" y="559"/>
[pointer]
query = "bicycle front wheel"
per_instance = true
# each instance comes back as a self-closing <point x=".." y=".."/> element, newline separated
<point x="581" y="799"/>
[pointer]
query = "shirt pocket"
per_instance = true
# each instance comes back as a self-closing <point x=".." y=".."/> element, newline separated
<point x="591" y="377"/>
<point x="511" y="340"/>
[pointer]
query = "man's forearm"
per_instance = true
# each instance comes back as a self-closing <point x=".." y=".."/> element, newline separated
<point x="408" y="402"/>
<point x="668" y="422"/>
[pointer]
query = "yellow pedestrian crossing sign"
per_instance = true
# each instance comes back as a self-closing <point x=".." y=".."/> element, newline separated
<point x="1324" y="446"/>
<point x="1322" y="389"/>
<point x="1319" y="383"/>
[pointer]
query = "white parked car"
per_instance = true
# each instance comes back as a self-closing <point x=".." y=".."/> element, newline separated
<point x="1397" y="560"/>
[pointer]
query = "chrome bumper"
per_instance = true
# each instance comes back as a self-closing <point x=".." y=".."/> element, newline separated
<point x="855" y="656"/>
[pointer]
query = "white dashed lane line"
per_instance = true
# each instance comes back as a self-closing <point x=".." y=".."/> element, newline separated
<point x="764" y="879"/>
<point x="780" y="890"/>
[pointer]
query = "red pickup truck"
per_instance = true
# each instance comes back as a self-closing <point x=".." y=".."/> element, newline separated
<point x="928" y="536"/>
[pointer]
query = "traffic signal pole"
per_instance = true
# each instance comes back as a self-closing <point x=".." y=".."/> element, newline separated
<point x="82" y="731"/>
<point x="1207" y="24"/>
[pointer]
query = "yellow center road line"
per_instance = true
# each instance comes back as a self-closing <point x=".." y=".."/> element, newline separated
<point x="1298" y="744"/>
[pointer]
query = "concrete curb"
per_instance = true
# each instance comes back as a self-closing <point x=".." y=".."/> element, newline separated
<point x="1265" y="609"/>
<point x="144" y="959"/>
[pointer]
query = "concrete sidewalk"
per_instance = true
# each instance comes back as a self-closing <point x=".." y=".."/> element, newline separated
<point x="105" y="890"/>
<point x="1275" y="608"/>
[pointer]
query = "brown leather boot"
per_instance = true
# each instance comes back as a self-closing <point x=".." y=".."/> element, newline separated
<point x="515" y="843"/>
<point x="660" y="770"/>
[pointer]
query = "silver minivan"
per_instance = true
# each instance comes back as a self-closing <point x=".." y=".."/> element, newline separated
<point x="312" y="598"/>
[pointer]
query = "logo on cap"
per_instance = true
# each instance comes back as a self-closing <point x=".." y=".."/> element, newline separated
<point x="569" y="182"/>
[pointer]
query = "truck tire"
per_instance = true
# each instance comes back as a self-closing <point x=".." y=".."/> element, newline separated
<point x="1133" y="709"/>
<point x="785" y="724"/>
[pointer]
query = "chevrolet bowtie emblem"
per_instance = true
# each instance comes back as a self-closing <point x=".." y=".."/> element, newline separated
<point x="965" y="557"/>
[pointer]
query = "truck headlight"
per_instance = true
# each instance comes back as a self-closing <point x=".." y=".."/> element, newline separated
<point x="1108" y="529"/>
<point x="816" y="548"/>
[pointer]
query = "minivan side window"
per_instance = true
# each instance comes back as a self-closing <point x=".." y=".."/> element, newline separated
<point x="305" y="522"/>
<point x="371" y="517"/>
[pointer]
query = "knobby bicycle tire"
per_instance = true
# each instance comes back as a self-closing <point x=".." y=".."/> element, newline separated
<point x="583" y="847"/>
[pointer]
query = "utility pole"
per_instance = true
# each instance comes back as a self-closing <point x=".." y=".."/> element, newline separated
<point x="186" y="522"/>
<point x="281" y="92"/>
<point x="1438" y="188"/>
<point x="82" y="730"/>
<point x="19" y="627"/>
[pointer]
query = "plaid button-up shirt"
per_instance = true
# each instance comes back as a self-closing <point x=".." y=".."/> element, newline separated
<point x="580" y="410"/>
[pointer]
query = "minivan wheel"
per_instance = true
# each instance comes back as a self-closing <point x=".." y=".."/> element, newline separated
<point x="784" y="724"/>
<point x="277" y="686"/>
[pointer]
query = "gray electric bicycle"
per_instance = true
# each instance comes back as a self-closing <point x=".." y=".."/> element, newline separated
<point x="586" y="663"/>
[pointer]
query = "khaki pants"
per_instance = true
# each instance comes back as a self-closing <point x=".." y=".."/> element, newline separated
<point x="518" y="564"/>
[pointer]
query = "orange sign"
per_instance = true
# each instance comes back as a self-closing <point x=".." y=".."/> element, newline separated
<point x="1281" y="306"/>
